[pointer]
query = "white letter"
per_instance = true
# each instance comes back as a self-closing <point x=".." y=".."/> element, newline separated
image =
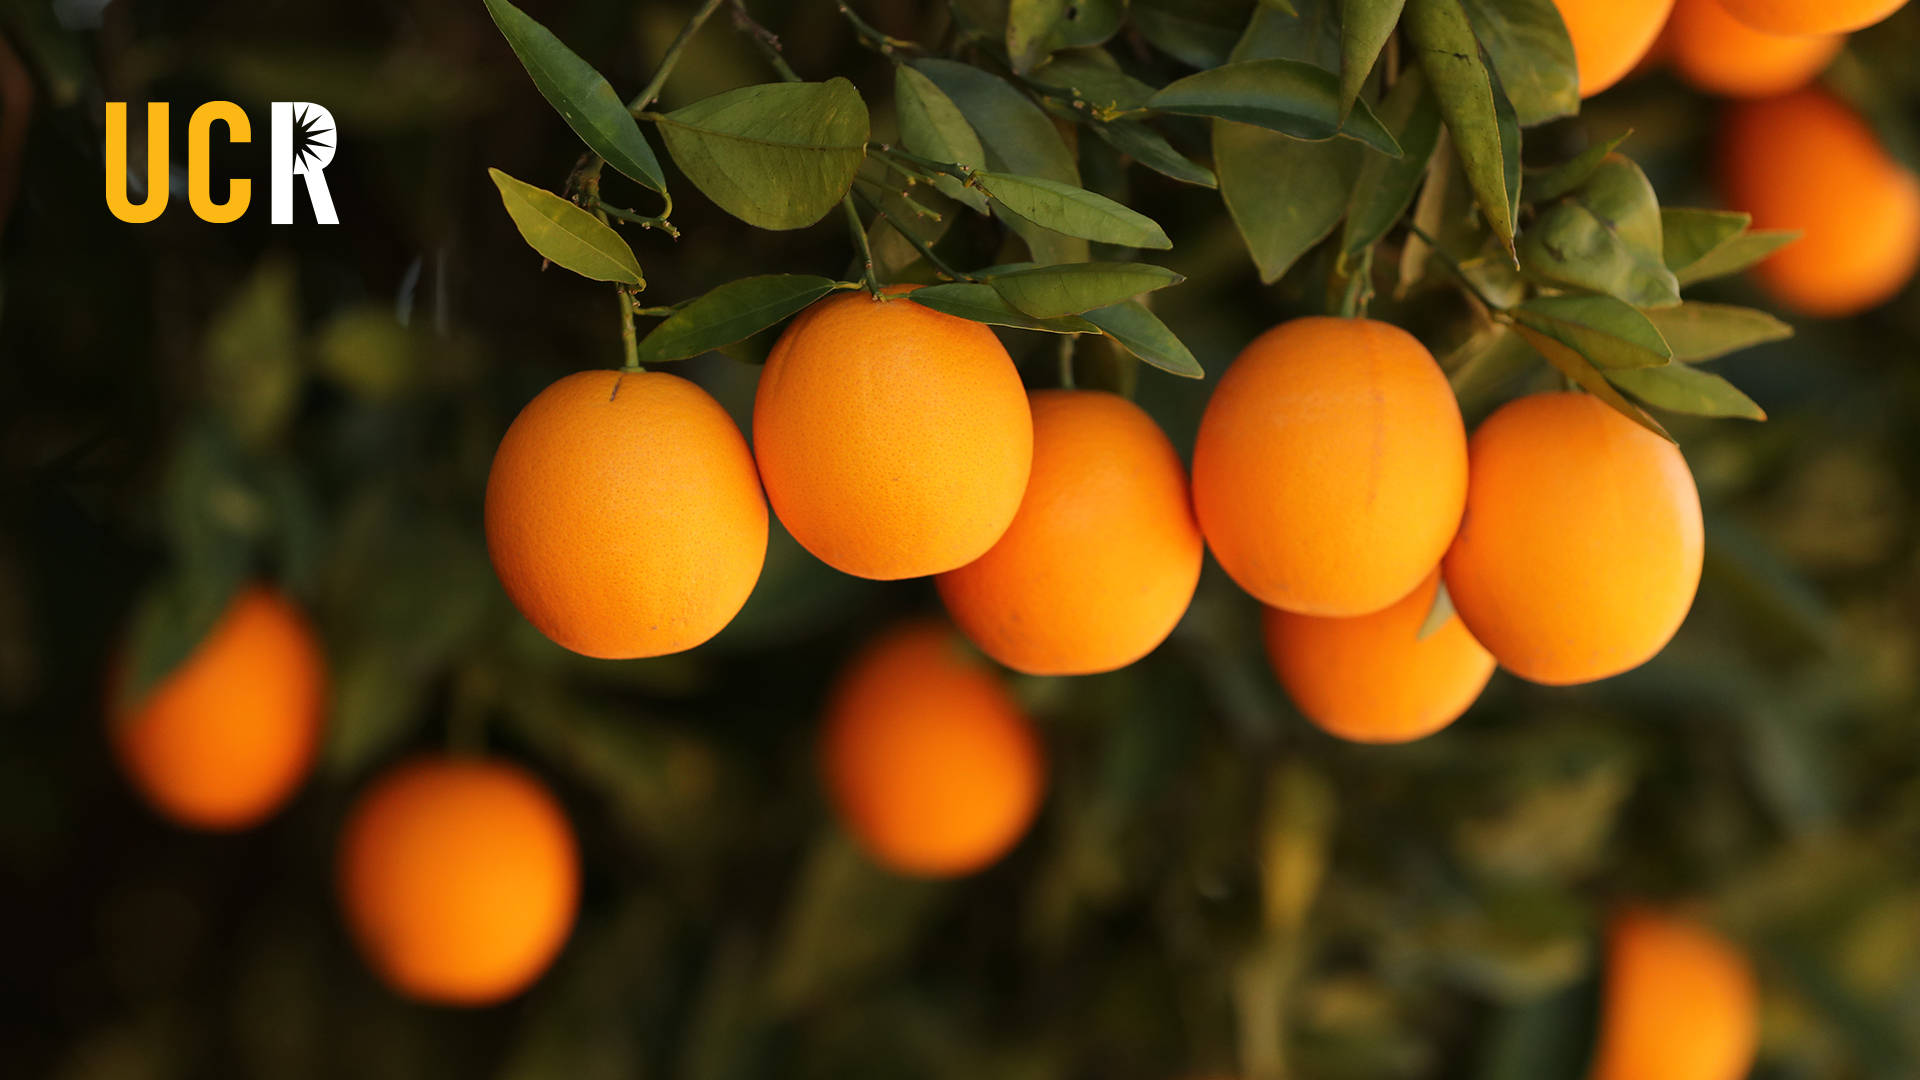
<point x="316" y="124"/>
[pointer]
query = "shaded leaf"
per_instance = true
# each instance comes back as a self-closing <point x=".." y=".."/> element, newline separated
<point x="1285" y="195"/>
<point x="1527" y="42"/>
<point x="1089" y="22"/>
<point x="582" y="96"/>
<point x="1073" y="211"/>
<point x="1288" y="96"/>
<point x="1198" y="33"/>
<point x="1047" y="292"/>
<point x="170" y="621"/>
<point x="1605" y="236"/>
<point x="1365" y="26"/>
<point x="1552" y="183"/>
<point x="1017" y="136"/>
<point x="736" y="310"/>
<point x="1385" y="186"/>
<point x="566" y="235"/>
<point x="1697" y="331"/>
<point x="1684" y="389"/>
<point x="1030" y="31"/>
<point x="253" y="355"/>
<point x="932" y="126"/>
<point x="1472" y="105"/>
<point x="1737" y="254"/>
<point x="1577" y="367"/>
<point x="1688" y="234"/>
<point x="777" y="155"/>
<point x="1149" y="148"/>
<point x="980" y="303"/>
<point x="1093" y="77"/>
<point x="1610" y="333"/>
<point x="1141" y="333"/>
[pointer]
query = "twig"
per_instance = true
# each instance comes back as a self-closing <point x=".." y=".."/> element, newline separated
<point x="629" y="341"/>
<point x="925" y="249"/>
<point x="859" y="229"/>
<point x="1459" y="273"/>
<point x="641" y="220"/>
<point x="672" y="56"/>
<point x="872" y="37"/>
<point x="767" y="40"/>
<point x="927" y="166"/>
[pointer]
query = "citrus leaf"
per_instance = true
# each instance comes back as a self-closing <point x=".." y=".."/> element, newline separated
<point x="1439" y="613"/>
<point x="1605" y="236"/>
<point x="582" y="96"/>
<point x="1048" y="292"/>
<point x="1285" y="195"/>
<point x="171" y="620"/>
<point x="1198" y="33"/>
<point x="1689" y="234"/>
<point x="566" y="235"/>
<point x="1527" y="43"/>
<point x="932" y="126"/>
<point x="1737" y="254"/>
<point x="1141" y="333"/>
<point x="1385" y="186"/>
<point x="1576" y="367"/>
<point x="1149" y="148"/>
<point x="1552" y="183"/>
<point x="1073" y="211"/>
<point x="1473" y="106"/>
<point x="1287" y="96"/>
<point x="1682" y="389"/>
<point x="1017" y="136"/>
<point x="1092" y="76"/>
<point x="1030" y="31"/>
<point x="1365" y="26"/>
<point x="730" y="313"/>
<point x="1609" y="333"/>
<point x="979" y="302"/>
<point x="777" y="155"/>
<point x="1089" y="23"/>
<point x="1697" y="331"/>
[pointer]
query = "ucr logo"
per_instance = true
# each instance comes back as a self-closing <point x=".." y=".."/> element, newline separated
<point x="302" y="146"/>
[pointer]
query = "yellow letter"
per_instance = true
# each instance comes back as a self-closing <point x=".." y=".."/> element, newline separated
<point x="157" y="142"/>
<point x="199" y="182"/>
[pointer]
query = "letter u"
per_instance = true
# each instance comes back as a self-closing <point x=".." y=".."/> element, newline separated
<point x="157" y="164"/>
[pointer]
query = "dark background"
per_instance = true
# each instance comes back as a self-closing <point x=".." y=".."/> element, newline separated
<point x="331" y="396"/>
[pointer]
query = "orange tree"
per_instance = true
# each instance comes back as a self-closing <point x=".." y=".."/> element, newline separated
<point x="645" y="747"/>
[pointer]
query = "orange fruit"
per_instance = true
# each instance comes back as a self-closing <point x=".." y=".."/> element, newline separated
<point x="1102" y="558"/>
<point x="927" y="758"/>
<point x="1331" y="466"/>
<point x="1373" y="678"/>
<point x="1581" y="547"/>
<point x="459" y="879"/>
<point x="1811" y="16"/>
<point x="894" y="440"/>
<point x="1679" y="1003"/>
<point x="624" y="515"/>
<point x="1610" y="37"/>
<point x="1717" y="53"/>
<point x="222" y="741"/>
<point x="1808" y="162"/>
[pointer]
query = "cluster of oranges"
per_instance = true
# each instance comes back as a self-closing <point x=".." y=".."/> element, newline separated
<point x="1791" y="154"/>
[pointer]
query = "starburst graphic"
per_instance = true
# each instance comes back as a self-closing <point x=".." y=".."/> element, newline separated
<point x="307" y="134"/>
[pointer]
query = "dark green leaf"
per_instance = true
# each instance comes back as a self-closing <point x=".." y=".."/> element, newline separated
<point x="1555" y="335"/>
<point x="1017" y="135"/>
<point x="1471" y="104"/>
<point x="1198" y="33"/>
<point x="1287" y="96"/>
<point x="1365" y="26"/>
<point x="1030" y="31"/>
<point x="730" y="313"/>
<point x="1048" y="292"/>
<point x="1697" y="331"/>
<point x="1606" y="237"/>
<point x="1142" y="333"/>
<point x="1611" y="334"/>
<point x="1385" y="187"/>
<point x="776" y="156"/>
<point x="1285" y="195"/>
<point x="1146" y="146"/>
<point x="1552" y="183"/>
<point x="1073" y="211"/>
<point x="1526" y="41"/>
<point x="1093" y="77"/>
<point x="171" y="620"/>
<point x="565" y="234"/>
<point x="932" y="126"/>
<point x="1089" y="22"/>
<point x="582" y="96"/>
<point x="979" y="302"/>
<point x="1682" y="389"/>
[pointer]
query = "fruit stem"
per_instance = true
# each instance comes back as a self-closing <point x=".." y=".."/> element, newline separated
<point x="628" y="339"/>
<point x="859" y="230"/>
<point x="884" y="44"/>
<point x="672" y="56"/>
<point x="925" y="249"/>
<point x="1067" y="342"/>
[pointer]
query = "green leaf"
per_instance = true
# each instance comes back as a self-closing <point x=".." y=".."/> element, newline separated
<point x="979" y="302"/>
<point x="1682" y="389"/>
<point x="1149" y="148"/>
<point x="1198" y="33"/>
<point x="1689" y="234"/>
<point x="582" y="96"/>
<point x="1141" y="333"/>
<point x="1737" y="254"/>
<point x="1552" y="183"/>
<point x="1527" y="42"/>
<point x="1611" y="334"/>
<point x="1094" y="77"/>
<point x="932" y="126"/>
<point x="1439" y="613"/>
<point x="1606" y="237"/>
<point x="1030" y="31"/>
<point x="1286" y="96"/>
<point x="1047" y="292"/>
<point x="566" y="235"/>
<point x="1017" y="135"/>
<point x="253" y="367"/>
<point x="1697" y="331"/>
<point x="1385" y="186"/>
<point x="776" y="156"/>
<point x="1472" y="105"/>
<point x="1073" y="211"/>
<point x="1284" y="195"/>
<point x="1365" y="26"/>
<point x="730" y="313"/>
<point x="170" y="621"/>
<point x="1091" y="22"/>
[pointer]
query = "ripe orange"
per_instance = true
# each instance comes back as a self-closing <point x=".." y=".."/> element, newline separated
<point x="1811" y="16"/>
<point x="1679" y="1003"/>
<point x="223" y="740"/>
<point x="624" y="515"/>
<point x="1102" y="558"/>
<point x="928" y="759"/>
<point x="1331" y="466"/>
<point x="894" y="440"/>
<point x="1808" y="162"/>
<point x="1581" y="547"/>
<point x="1719" y="54"/>
<point x="1610" y="37"/>
<point x="459" y="879"/>
<point x="1372" y="678"/>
